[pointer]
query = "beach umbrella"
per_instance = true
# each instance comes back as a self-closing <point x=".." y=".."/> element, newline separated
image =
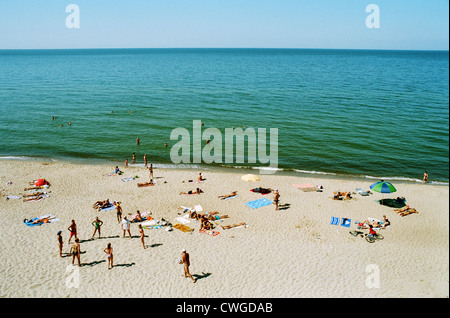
<point x="383" y="187"/>
<point x="250" y="177"/>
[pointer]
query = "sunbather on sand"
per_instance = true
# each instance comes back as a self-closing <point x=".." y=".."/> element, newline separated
<point x="232" y="194"/>
<point x="214" y="216"/>
<point x="226" y="227"/>
<point x="402" y="209"/>
<point x="144" y="184"/>
<point x="101" y="204"/>
<point x="196" y="191"/>
<point x="37" y="221"/>
<point x="409" y="211"/>
<point x="205" y="224"/>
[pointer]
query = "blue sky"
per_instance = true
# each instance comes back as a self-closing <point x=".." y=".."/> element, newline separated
<point x="340" y="24"/>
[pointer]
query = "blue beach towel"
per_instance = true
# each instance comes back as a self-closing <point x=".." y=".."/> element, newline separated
<point x="259" y="203"/>
<point x="346" y="222"/>
<point x="112" y="207"/>
<point x="234" y="196"/>
<point x="334" y="221"/>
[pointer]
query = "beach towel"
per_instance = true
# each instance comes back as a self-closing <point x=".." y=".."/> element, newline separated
<point x="109" y="208"/>
<point x="30" y="222"/>
<point x="334" y="220"/>
<point x="126" y="179"/>
<point x="13" y="197"/>
<point x="346" y="222"/>
<point x="182" y="220"/>
<point x="259" y="203"/>
<point x="183" y="228"/>
<point x="151" y="227"/>
<point x="198" y="208"/>
<point x="362" y="192"/>
<point x="262" y="191"/>
<point x="209" y="232"/>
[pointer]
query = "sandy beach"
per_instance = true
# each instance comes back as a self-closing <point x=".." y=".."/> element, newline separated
<point x="292" y="252"/>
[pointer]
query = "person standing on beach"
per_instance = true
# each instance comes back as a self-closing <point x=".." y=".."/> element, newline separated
<point x="119" y="212"/>
<point x="150" y="170"/>
<point x="126" y="163"/>
<point x="60" y="243"/>
<point x="75" y="251"/>
<point x="186" y="261"/>
<point x="109" y="255"/>
<point x="97" y="225"/>
<point x="141" y="233"/>
<point x="425" y="177"/>
<point x="126" y="226"/>
<point x="276" y="199"/>
<point x="73" y="230"/>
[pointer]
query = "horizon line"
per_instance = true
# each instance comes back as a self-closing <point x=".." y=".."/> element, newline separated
<point x="219" y="48"/>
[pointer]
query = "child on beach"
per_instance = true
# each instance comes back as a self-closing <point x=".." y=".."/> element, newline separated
<point x="75" y="251"/>
<point x="109" y="255"/>
<point x="97" y="225"/>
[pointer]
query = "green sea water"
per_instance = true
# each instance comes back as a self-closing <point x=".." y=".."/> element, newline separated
<point x="372" y="114"/>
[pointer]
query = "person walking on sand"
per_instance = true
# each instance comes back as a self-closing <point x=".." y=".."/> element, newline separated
<point x="75" y="251"/>
<point x="425" y="177"/>
<point x="73" y="230"/>
<point x="141" y="234"/>
<point x="276" y="199"/>
<point x="60" y="243"/>
<point x="97" y="225"/>
<point x="109" y="255"/>
<point x="186" y="261"/>
<point x="126" y="226"/>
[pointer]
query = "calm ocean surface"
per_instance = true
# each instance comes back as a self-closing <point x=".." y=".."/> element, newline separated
<point x="375" y="114"/>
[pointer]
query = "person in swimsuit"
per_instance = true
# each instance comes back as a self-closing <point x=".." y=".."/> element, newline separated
<point x="185" y="260"/>
<point x="141" y="233"/>
<point x="197" y="191"/>
<point x="134" y="158"/>
<point x="73" y="230"/>
<point x="60" y="243"/>
<point x="145" y="160"/>
<point x="75" y="251"/>
<point x="109" y="255"/>
<point x="425" y="177"/>
<point x="276" y="199"/>
<point x="97" y="225"/>
<point x="119" y="212"/>
<point x="150" y="170"/>
<point x="126" y="226"/>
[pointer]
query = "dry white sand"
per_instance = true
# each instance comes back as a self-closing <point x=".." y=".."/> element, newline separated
<point x="293" y="252"/>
